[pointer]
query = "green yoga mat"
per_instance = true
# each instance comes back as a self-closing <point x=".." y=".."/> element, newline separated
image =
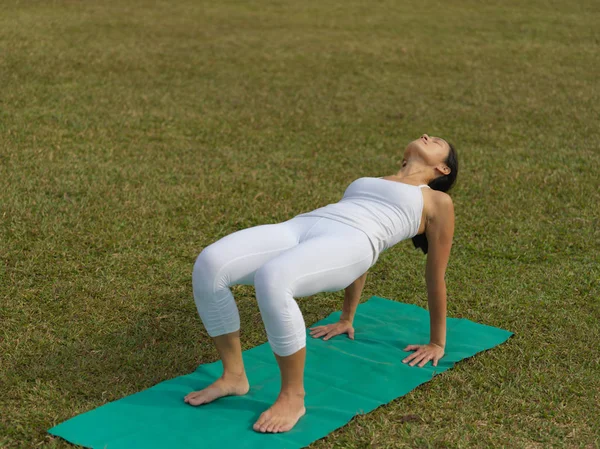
<point x="343" y="378"/>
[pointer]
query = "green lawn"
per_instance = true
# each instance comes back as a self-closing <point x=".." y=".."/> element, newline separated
<point x="135" y="133"/>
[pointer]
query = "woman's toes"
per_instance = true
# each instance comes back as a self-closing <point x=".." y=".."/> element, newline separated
<point x="278" y="425"/>
<point x="265" y="426"/>
<point x="263" y="422"/>
<point x="258" y="423"/>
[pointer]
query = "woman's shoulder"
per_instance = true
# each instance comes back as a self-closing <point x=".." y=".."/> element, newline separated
<point x="440" y="203"/>
<point x="438" y="196"/>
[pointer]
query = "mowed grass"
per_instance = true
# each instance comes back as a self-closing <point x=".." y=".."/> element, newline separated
<point x="135" y="133"/>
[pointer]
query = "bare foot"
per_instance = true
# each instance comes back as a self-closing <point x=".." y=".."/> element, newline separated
<point x="224" y="386"/>
<point x="283" y="414"/>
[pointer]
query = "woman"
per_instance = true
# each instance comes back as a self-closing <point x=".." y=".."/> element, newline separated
<point x="326" y="250"/>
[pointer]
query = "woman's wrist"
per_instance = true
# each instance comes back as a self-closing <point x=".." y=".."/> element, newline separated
<point x="438" y="345"/>
<point x="344" y="317"/>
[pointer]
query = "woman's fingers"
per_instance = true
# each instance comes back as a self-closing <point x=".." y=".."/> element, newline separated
<point x="410" y="357"/>
<point x="318" y="332"/>
<point x="421" y="355"/>
<point x="412" y="347"/>
<point x="414" y="354"/>
<point x="323" y="330"/>
<point x="351" y="333"/>
<point x="333" y="332"/>
<point x="422" y="358"/>
<point x="416" y="359"/>
<point x="426" y="359"/>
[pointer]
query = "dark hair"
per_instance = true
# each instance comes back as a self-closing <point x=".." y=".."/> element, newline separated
<point x="443" y="183"/>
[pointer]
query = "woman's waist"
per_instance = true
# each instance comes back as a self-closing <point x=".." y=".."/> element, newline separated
<point x="382" y="225"/>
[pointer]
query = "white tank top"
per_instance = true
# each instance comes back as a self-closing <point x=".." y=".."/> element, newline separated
<point x="386" y="211"/>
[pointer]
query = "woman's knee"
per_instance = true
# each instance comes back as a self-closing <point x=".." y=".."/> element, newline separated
<point x="206" y="269"/>
<point x="271" y="285"/>
<point x="280" y="313"/>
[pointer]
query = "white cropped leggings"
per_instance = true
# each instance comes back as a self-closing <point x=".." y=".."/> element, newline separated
<point x="296" y="258"/>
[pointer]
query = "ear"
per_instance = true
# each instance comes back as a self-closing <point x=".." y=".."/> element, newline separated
<point x="443" y="168"/>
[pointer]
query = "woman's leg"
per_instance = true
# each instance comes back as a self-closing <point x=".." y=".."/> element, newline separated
<point x="329" y="259"/>
<point x="234" y="259"/>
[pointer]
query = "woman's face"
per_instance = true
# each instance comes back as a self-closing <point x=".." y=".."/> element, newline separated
<point x="432" y="150"/>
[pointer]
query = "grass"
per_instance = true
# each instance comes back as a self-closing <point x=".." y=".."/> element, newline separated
<point x="133" y="134"/>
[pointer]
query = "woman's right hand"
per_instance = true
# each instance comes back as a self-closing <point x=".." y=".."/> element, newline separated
<point x="331" y="330"/>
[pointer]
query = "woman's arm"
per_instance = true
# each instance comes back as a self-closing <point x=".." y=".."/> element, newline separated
<point x="352" y="298"/>
<point x="439" y="235"/>
<point x="439" y="232"/>
<point x="344" y="325"/>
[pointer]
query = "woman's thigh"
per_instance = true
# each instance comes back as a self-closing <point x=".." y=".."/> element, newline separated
<point x="235" y="258"/>
<point x="329" y="259"/>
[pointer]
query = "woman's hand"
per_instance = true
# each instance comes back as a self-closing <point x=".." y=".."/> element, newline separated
<point x="331" y="330"/>
<point x="423" y="354"/>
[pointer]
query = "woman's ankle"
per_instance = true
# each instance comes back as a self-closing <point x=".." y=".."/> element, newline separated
<point x="293" y="392"/>
<point x="234" y="375"/>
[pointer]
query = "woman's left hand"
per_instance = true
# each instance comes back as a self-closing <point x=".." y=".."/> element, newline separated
<point x="331" y="330"/>
<point x="423" y="354"/>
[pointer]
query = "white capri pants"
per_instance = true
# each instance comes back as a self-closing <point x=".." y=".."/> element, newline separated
<point x="296" y="258"/>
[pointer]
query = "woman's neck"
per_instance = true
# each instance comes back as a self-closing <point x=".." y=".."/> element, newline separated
<point x="415" y="173"/>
